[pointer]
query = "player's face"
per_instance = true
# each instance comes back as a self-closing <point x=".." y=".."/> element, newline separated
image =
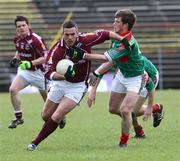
<point x="22" y="28"/>
<point x="118" y="25"/>
<point x="70" y="35"/>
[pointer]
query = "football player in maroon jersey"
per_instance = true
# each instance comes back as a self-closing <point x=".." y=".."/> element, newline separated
<point x="29" y="58"/>
<point x="67" y="91"/>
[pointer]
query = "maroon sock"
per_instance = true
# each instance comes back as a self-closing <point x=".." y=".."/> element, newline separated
<point x="47" y="129"/>
<point x="18" y="115"/>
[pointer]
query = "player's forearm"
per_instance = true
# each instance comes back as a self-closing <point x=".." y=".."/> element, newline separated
<point x="95" y="57"/>
<point x="150" y="98"/>
<point x="103" y="68"/>
<point x="17" y="55"/>
<point x="56" y="76"/>
<point x="97" y="83"/>
<point x="115" y="36"/>
<point x="38" y="61"/>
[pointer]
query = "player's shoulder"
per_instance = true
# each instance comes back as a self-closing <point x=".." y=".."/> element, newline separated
<point x="16" y="38"/>
<point x="35" y="39"/>
<point x="57" y="49"/>
<point x="84" y="35"/>
<point x="35" y="36"/>
<point x="96" y="32"/>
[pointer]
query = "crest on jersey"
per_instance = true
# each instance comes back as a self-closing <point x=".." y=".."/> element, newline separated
<point x="27" y="47"/>
<point x="79" y="44"/>
<point x="22" y="45"/>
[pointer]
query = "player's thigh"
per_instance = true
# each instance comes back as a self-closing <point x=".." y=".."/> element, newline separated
<point x="129" y="101"/>
<point x="139" y="104"/>
<point x="43" y="94"/>
<point x="37" y="79"/>
<point x="18" y="84"/>
<point x="65" y="106"/>
<point x="48" y="109"/>
<point x="118" y="85"/>
<point x="115" y="100"/>
<point x="133" y="84"/>
<point x="75" y="91"/>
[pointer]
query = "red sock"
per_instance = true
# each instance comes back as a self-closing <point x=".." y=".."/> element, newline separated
<point x="124" y="138"/>
<point x="156" y="107"/>
<point x="139" y="130"/>
<point x="49" y="127"/>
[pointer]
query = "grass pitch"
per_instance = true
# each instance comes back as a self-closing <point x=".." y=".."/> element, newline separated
<point x="90" y="134"/>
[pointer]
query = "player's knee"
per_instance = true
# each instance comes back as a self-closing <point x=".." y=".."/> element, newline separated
<point x="112" y="110"/>
<point x="125" y="111"/>
<point x="44" y="116"/>
<point x="56" y="119"/>
<point x="13" y="90"/>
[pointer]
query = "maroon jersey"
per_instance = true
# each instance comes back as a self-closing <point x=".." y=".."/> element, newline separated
<point x="30" y="48"/>
<point x="82" y="67"/>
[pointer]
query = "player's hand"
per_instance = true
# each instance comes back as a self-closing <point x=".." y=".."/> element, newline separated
<point x="24" y="65"/>
<point x="91" y="97"/>
<point x="90" y="102"/>
<point x="126" y="43"/>
<point x="75" y="52"/>
<point x="69" y="73"/>
<point x="93" y="78"/>
<point x="147" y="113"/>
<point x="14" y="63"/>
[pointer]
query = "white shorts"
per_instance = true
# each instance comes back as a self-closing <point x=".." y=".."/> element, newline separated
<point x="121" y="84"/>
<point x="144" y="91"/>
<point x="74" y="91"/>
<point x="34" y="78"/>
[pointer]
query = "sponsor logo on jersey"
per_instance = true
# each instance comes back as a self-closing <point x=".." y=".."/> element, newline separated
<point x="124" y="59"/>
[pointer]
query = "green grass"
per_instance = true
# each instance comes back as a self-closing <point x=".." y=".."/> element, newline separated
<point x="90" y="134"/>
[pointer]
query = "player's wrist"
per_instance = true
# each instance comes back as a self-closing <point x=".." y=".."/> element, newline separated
<point x="31" y="63"/>
<point x="97" y="74"/>
<point x="51" y="75"/>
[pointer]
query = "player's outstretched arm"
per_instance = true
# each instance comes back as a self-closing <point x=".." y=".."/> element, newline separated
<point x="116" y="36"/>
<point x="149" y="108"/>
<point x="92" y="93"/>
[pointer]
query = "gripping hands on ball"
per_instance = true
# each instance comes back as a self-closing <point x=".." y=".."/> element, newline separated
<point x="75" y="52"/>
<point x="70" y="72"/>
<point x="24" y="65"/>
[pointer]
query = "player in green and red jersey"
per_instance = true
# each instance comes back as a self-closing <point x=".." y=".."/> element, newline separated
<point x="148" y="91"/>
<point x="151" y="78"/>
<point x="130" y="61"/>
<point x="128" y="80"/>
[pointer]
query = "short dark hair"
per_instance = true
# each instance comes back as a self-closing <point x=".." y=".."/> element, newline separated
<point x="127" y="16"/>
<point x="70" y="24"/>
<point x="21" y="18"/>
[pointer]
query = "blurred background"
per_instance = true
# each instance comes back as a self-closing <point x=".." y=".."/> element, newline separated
<point x="157" y="29"/>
